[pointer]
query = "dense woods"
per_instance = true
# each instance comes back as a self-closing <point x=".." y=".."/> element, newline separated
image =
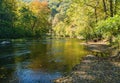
<point x="90" y="19"/>
<point x="87" y="19"/>
<point x="20" y="19"/>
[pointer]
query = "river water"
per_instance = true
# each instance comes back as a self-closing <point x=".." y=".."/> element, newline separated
<point x="39" y="61"/>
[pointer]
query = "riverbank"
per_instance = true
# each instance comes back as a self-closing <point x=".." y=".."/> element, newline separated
<point x="100" y="46"/>
<point x="93" y="69"/>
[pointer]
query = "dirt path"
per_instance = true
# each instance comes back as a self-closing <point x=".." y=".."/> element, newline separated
<point x="93" y="70"/>
<point x="96" y="46"/>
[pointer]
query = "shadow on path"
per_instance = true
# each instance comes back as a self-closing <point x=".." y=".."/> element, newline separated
<point x="93" y="70"/>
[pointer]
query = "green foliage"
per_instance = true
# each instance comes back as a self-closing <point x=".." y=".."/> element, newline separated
<point x="67" y="18"/>
<point x="76" y="17"/>
<point x="19" y="19"/>
<point x="90" y="19"/>
<point x="109" y="27"/>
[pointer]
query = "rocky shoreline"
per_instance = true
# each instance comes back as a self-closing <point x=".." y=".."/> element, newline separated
<point x="93" y="70"/>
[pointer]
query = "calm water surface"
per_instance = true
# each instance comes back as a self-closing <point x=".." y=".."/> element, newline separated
<point x="39" y="61"/>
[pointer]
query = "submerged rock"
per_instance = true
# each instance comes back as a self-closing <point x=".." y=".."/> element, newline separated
<point x="6" y="43"/>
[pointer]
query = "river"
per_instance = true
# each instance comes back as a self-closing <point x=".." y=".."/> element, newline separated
<point x="39" y="61"/>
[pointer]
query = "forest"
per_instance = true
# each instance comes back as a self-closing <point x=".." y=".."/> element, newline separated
<point x="86" y="19"/>
<point x="19" y="19"/>
<point x="59" y="41"/>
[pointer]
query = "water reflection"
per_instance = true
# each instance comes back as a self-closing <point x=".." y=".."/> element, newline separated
<point x="38" y="76"/>
<point x="39" y="61"/>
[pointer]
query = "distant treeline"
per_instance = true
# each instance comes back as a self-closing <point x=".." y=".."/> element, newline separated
<point x="88" y="19"/>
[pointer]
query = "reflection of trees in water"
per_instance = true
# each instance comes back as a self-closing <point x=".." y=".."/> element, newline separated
<point x="5" y="58"/>
<point x="10" y="56"/>
<point x="58" y="55"/>
<point x="51" y="56"/>
<point x="5" y="74"/>
<point x="41" y="59"/>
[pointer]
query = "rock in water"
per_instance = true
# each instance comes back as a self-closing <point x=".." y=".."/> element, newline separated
<point x="5" y="43"/>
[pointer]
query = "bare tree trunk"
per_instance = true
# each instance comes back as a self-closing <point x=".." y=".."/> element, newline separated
<point x="95" y="9"/>
<point x="111" y="8"/>
<point x="96" y="18"/>
<point x="105" y="8"/>
<point x="110" y="40"/>
<point x="34" y="23"/>
<point x="115" y="12"/>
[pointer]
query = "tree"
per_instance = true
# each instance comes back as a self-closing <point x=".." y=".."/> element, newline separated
<point x="21" y="19"/>
<point x="7" y="17"/>
<point x="94" y="5"/>
<point x="111" y="8"/>
<point x="105" y="8"/>
<point x="42" y="12"/>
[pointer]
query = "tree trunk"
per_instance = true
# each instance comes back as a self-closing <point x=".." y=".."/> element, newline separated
<point x="96" y="18"/>
<point x="110" y="39"/>
<point x="34" y="23"/>
<point x="115" y="12"/>
<point x="105" y="8"/>
<point x="111" y="8"/>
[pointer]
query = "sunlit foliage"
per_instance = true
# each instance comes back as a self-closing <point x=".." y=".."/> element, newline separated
<point x="61" y="18"/>
<point x="20" y="19"/>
